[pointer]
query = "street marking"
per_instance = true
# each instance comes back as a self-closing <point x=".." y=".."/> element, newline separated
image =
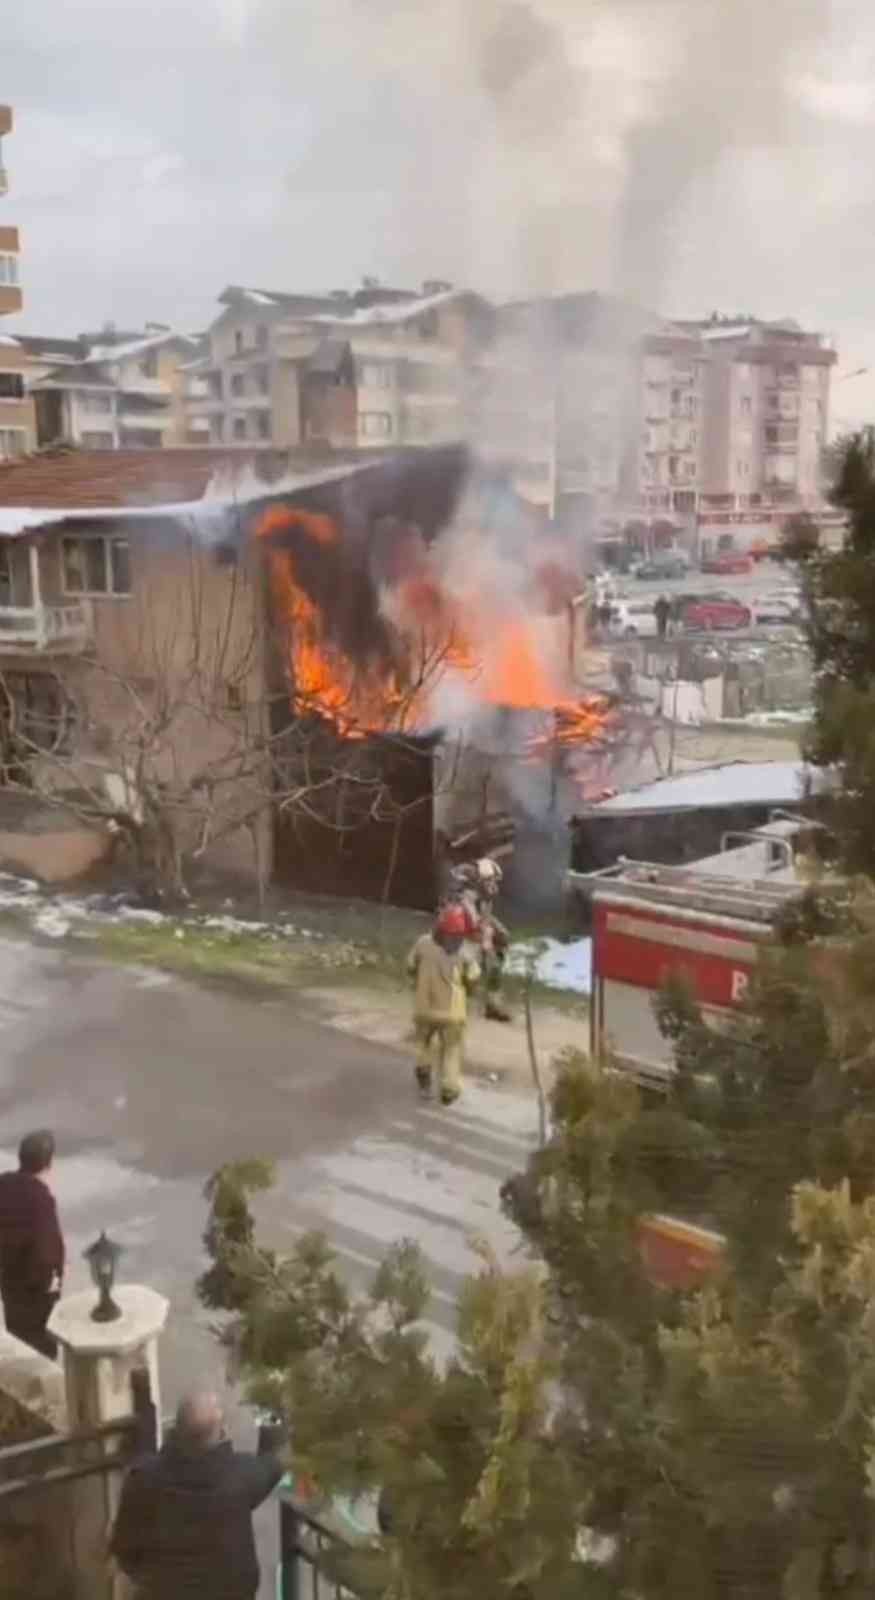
<point x="373" y="1263"/>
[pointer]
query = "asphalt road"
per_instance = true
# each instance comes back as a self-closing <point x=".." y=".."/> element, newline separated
<point x="150" y="1083"/>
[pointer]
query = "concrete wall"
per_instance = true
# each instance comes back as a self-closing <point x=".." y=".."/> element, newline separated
<point x="37" y="1530"/>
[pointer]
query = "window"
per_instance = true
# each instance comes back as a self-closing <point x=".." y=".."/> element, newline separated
<point x="13" y="442"/>
<point x="96" y="564"/>
<point x="11" y="386"/>
<point x="261" y="376"/>
<point x="96" y="403"/>
<point x="745" y="405"/>
<point x="376" y="424"/>
<point x="97" y="440"/>
<point x="238" y="342"/>
<point x="44" y="714"/>
<point x="8" y="270"/>
<point x="238" y="385"/>
<point x="120" y="566"/>
<point x="262" y="336"/>
<point x="262" y="424"/>
<point x="217" y="430"/>
<point x="149" y="364"/>
<point x="376" y="375"/>
<point x="238" y="428"/>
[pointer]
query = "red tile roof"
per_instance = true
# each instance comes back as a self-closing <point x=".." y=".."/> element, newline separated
<point x="89" y="479"/>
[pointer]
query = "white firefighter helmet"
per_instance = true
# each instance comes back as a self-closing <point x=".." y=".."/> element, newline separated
<point x="489" y="873"/>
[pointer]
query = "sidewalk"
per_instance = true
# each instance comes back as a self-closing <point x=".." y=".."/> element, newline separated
<point x="492" y="1048"/>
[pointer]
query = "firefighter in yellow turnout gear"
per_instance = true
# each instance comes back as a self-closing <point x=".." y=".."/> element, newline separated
<point x="442" y="975"/>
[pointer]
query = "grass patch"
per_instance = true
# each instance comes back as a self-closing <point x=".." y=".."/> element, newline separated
<point x="211" y="953"/>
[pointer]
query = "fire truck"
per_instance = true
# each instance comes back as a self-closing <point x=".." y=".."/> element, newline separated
<point x="707" y="921"/>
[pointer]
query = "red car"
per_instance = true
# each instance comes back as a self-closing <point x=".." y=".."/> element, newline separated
<point x="705" y="612"/>
<point x="726" y="562"/>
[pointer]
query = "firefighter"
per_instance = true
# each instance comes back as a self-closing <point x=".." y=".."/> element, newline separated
<point x="476" y="885"/>
<point x="442" y="973"/>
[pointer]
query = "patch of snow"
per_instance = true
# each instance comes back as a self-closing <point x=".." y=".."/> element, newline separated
<point x="738" y="782"/>
<point x="561" y="966"/>
<point x="50" y="922"/>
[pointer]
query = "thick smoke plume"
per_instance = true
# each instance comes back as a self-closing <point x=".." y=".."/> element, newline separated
<point x="593" y="125"/>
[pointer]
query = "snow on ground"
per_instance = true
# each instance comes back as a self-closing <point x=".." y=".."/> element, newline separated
<point x="53" y="915"/>
<point x="562" y="966"/>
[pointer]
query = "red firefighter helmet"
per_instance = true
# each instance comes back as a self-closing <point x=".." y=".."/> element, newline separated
<point x="453" y="919"/>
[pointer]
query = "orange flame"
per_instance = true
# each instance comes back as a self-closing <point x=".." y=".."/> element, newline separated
<point x="436" y="633"/>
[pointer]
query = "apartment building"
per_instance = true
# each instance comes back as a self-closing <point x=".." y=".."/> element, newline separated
<point x="16" y="430"/>
<point x="10" y="286"/>
<point x="365" y="369"/>
<point x="667" y="466"/>
<point x="111" y="390"/>
<point x="767" y="393"/>
<point x="558" y="394"/>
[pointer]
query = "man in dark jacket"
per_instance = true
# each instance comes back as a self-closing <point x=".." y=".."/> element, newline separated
<point x="31" y="1244"/>
<point x="184" y="1525"/>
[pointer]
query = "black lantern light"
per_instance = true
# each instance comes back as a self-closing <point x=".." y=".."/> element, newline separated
<point x="102" y="1258"/>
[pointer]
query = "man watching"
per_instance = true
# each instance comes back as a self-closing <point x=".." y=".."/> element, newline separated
<point x="31" y="1244"/>
<point x="184" y="1525"/>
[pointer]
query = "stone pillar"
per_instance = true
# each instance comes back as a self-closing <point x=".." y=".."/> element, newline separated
<point x="100" y="1359"/>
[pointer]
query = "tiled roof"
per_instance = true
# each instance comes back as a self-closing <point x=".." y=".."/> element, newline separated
<point x="85" y="479"/>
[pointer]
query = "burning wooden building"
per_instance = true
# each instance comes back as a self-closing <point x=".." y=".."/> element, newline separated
<point x="309" y="667"/>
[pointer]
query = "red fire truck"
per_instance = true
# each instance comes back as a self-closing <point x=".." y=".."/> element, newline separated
<point x="706" y="921"/>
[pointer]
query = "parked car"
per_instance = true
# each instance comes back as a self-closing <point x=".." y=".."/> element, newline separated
<point x="705" y="612"/>
<point x="659" y="567"/>
<point x="726" y="562"/>
<point x="772" y="609"/>
<point x="634" y="619"/>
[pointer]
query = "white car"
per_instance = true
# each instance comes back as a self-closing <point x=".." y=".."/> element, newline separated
<point x="773" y="609"/>
<point x="634" y="619"/>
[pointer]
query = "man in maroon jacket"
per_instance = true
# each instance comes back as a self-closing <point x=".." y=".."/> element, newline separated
<point x="31" y="1244"/>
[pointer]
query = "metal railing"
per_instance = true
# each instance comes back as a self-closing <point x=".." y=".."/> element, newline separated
<point x="59" y="1458"/>
<point x="44" y="626"/>
<point x="312" y="1557"/>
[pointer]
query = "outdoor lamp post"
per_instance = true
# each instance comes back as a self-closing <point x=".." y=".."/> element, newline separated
<point x="102" y="1258"/>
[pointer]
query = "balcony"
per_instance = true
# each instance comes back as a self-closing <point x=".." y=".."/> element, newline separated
<point x="4" y="180"/>
<point x="45" y="630"/>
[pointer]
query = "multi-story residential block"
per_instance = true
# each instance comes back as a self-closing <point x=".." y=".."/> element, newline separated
<point x="16" y="432"/>
<point x="667" y="466"/>
<point x="559" y="395"/>
<point x="10" y="285"/>
<point x="111" y="391"/>
<point x="767" y="390"/>
<point x="365" y="369"/>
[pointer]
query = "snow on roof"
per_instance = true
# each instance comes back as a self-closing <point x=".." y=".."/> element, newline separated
<point x="106" y="485"/>
<point x="735" y="330"/>
<point x="396" y="311"/>
<point x="120" y="352"/>
<point x="257" y="298"/>
<point x="737" y="783"/>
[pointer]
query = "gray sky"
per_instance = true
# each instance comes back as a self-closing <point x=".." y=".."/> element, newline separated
<point x="694" y="153"/>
